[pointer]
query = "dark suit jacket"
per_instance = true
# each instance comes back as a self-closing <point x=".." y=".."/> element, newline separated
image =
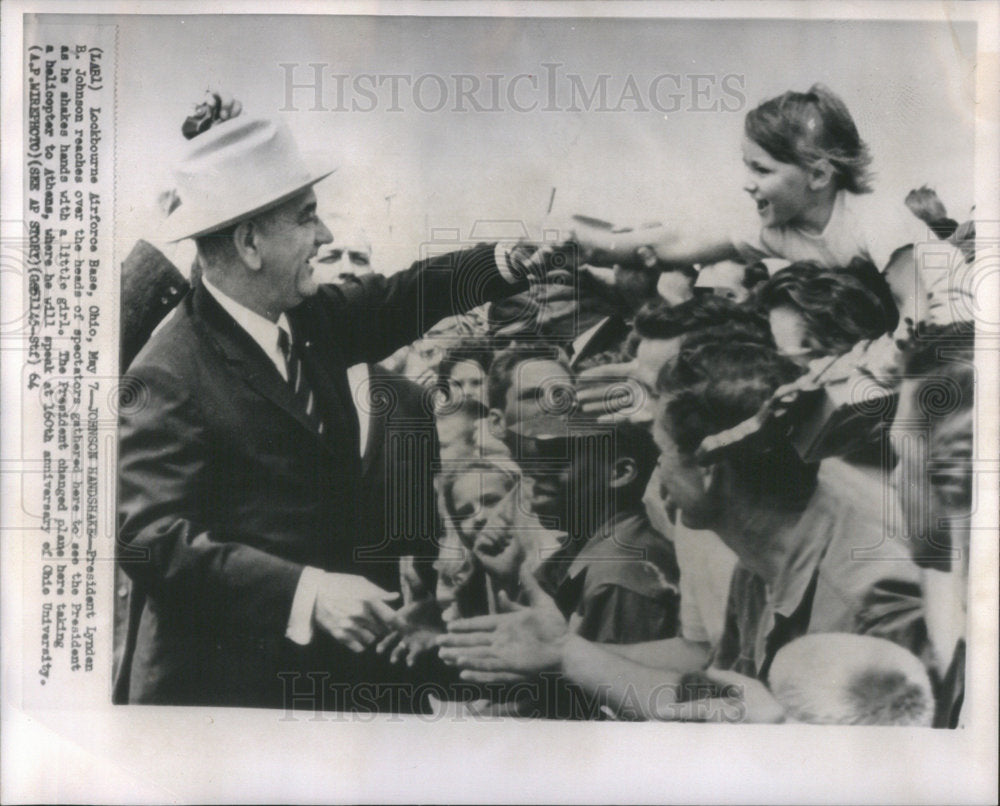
<point x="396" y="505"/>
<point x="226" y="492"/>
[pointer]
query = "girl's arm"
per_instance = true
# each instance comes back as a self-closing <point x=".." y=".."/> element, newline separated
<point x="665" y="243"/>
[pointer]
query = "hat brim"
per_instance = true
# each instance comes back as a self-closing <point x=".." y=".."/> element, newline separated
<point x="189" y="221"/>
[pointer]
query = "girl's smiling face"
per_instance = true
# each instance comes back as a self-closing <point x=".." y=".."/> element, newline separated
<point x="781" y="190"/>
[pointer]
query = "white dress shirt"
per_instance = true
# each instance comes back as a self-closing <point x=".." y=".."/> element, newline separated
<point x="261" y="330"/>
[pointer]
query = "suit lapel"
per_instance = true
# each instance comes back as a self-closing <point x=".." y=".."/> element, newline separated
<point x="247" y="360"/>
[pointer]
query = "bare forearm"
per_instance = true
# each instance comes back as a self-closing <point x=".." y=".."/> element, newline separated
<point x="677" y="654"/>
<point x="671" y="245"/>
<point x="620" y="682"/>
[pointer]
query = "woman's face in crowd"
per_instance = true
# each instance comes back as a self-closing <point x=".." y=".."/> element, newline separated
<point x="475" y="496"/>
<point x="780" y="189"/>
<point x="467" y="381"/>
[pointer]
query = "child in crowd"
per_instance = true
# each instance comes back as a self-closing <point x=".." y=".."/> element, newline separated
<point x="808" y="176"/>
<point x="472" y="571"/>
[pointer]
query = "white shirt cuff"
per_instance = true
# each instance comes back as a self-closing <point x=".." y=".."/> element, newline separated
<point x="300" y="622"/>
<point x="501" y="254"/>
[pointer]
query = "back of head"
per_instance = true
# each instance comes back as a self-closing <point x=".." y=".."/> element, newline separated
<point x="661" y="320"/>
<point x="802" y="128"/>
<point x="839" y="307"/>
<point x="720" y="379"/>
<point x="634" y="441"/>
<point x="942" y="351"/>
<point x="845" y="679"/>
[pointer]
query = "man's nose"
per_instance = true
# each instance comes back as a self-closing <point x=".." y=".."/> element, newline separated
<point x="323" y="234"/>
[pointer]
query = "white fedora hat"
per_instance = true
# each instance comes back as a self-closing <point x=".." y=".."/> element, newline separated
<point x="236" y="169"/>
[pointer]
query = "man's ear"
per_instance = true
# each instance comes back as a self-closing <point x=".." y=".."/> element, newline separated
<point x="624" y="473"/>
<point x="498" y="429"/>
<point x="246" y="238"/>
<point x="821" y="174"/>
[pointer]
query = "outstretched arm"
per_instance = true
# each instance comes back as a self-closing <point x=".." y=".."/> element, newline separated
<point x="527" y="641"/>
<point x="669" y="245"/>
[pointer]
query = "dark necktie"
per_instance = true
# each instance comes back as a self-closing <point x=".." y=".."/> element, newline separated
<point x="298" y="381"/>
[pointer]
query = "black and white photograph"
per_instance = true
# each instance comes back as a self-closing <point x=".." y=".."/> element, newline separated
<point x="392" y="392"/>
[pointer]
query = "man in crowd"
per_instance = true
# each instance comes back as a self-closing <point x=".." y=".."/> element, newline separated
<point x="239" y="475"/>
<point x="932" y="437"/>
<point x="616" y="578"/>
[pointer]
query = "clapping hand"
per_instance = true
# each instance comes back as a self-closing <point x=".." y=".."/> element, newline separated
<point x="510" y="646"/>
<point x="353" y="610"/>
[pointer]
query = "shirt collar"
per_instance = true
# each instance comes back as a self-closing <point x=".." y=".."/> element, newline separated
<point x="584" y="338"/>
<point x="262" y="330"/>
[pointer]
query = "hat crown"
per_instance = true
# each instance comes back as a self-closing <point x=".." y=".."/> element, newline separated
<point x="237" y="168"/>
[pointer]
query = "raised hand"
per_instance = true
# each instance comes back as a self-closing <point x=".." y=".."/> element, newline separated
<point x="500" y="555"/>
<point x="415" y="628"/>
<point x="353" y="610"/>
<point x="217" y="106"/>
<point x="612" y="392"/>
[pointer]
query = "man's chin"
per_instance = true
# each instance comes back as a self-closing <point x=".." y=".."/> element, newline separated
<point x="308" y="287"/>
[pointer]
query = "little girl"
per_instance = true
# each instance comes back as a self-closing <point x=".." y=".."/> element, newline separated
<point x="808" y="175"/>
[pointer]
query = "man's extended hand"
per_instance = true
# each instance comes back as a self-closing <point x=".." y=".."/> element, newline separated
<point x="511" y="646"/>
<point x="414" y="630"/>
<point x="550" y="262"/>
<point x="353" y="610"/>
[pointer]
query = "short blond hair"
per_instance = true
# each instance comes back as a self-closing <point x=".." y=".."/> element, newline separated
<point x="845" y="679"/>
